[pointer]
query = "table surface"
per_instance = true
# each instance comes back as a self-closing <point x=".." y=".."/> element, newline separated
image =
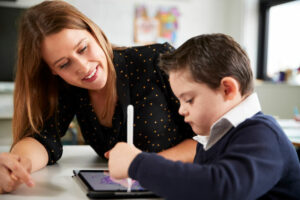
<point x="56" y="182"/>
<point x="291" y="129"/>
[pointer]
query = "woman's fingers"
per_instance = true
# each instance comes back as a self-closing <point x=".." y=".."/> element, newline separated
<point x="26" y="163"/>
<point x="8" y="182"/>
<point x="5" y="178"/>
<point x="13" y="164"/>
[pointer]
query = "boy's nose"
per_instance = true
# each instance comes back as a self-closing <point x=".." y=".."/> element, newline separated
<point x="182" y="111"/>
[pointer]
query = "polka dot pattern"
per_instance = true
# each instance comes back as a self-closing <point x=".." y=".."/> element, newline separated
<point x="157" y="124"/>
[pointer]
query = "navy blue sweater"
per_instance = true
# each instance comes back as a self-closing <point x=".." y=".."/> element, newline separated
<point x="254" y="160"/>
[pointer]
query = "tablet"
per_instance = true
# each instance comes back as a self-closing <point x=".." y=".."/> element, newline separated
<point x="101" y="185"/>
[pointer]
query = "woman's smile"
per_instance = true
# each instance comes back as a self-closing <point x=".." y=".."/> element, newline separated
<point x="92" y="76"/>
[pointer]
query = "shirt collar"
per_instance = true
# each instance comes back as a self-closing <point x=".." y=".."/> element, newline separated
<point x="246" y="109"/>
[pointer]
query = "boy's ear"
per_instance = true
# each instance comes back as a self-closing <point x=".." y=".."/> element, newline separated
<point x="230" y="88"/>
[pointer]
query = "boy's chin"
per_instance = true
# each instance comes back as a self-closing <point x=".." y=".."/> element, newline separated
<point x="199" y="131"/>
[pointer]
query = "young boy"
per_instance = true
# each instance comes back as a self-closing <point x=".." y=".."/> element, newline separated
<point x="241" y="154"/>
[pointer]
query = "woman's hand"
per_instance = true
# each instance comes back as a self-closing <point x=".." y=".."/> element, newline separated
<point x="14" y="170"/>
<point x="120" y="158"/>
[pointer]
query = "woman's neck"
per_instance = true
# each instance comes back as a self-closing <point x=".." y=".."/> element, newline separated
<point x="99" y="102"/>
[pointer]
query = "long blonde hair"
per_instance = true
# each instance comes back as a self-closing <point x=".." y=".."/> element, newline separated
<point x="36" y="89"/>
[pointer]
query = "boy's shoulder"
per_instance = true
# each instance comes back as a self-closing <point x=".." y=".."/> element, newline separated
<point x="260" y="118"/>
<point x="263" y="125"/>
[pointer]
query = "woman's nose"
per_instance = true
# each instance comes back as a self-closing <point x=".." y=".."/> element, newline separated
<point x="82" y="66"/>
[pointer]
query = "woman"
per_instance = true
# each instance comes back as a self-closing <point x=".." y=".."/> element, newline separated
<point x="67" y="67"/>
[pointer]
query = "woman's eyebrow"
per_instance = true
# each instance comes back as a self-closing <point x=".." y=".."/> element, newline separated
<point x="80" y="41"/>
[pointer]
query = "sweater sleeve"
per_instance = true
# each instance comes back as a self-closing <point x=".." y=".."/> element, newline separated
<point x="250" y="166"/>
<point x="55" y="127"/>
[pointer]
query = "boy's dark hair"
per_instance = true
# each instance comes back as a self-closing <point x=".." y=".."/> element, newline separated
<point x="210" y="58"/>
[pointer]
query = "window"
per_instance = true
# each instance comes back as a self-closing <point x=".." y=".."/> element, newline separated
<point x="279" y="38"/>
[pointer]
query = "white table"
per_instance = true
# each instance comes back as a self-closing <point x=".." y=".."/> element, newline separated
<point x="292" y="130"/>
<point x="56" y="182"/>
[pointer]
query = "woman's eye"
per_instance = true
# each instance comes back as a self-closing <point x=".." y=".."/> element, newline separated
<point x="64" y="65"/>
<point x="83" y="49"/>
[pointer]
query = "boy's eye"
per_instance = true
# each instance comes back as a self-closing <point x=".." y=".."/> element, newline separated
<point x="189" y="101"/>
<point x="83" y="49"/>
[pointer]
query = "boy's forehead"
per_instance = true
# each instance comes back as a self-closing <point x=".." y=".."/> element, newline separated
<point x="181" y="81"/>
<point x="180" y="73"/>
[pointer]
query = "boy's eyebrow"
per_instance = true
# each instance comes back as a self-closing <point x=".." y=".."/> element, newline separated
<point x="73" y="48"/>
<point x="182" y="95"/>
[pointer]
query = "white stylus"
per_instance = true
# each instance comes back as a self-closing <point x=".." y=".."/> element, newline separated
<point x="129" y="136"/>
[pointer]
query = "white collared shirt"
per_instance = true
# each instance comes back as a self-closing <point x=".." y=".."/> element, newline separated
<point x="246" y="109"/>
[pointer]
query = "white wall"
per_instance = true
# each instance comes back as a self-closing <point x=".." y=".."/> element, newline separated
<point x="278" y="100"/>
<point x="238" y="18"/>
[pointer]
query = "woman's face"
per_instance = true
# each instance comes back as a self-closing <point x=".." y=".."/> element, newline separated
<point x="75" y="56"/>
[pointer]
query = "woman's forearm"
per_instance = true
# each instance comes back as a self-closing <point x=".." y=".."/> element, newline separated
<point x="184" y="151"/>
<point x="33" y="150"/>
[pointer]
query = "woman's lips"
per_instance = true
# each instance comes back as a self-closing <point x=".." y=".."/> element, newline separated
<point x="92" y="76"/>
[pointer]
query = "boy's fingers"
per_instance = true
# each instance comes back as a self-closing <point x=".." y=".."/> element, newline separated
<point x="106" y="154"/>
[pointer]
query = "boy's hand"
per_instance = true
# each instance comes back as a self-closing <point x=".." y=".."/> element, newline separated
<point x="120" y="158"/>
<point x="14" y="170"/>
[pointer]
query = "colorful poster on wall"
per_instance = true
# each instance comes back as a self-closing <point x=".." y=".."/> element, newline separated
<point x="155" y="24"/>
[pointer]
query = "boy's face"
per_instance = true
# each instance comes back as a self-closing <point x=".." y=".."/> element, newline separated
<point x="200" y="105"/>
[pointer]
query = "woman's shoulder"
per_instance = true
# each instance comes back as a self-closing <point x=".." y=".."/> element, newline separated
<point x="151" y="48"/>
<point x="68" y="92"/>
<point x="154" y="47"/>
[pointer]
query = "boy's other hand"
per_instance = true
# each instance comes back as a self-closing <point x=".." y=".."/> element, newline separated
<point x="120" y="158"/>
<point x="14" y="170"/>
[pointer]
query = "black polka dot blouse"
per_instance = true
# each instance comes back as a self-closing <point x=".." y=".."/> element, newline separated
<point x="157" y="124"/>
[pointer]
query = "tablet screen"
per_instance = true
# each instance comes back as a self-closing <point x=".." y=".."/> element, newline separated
<point x="99" y="180"/>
